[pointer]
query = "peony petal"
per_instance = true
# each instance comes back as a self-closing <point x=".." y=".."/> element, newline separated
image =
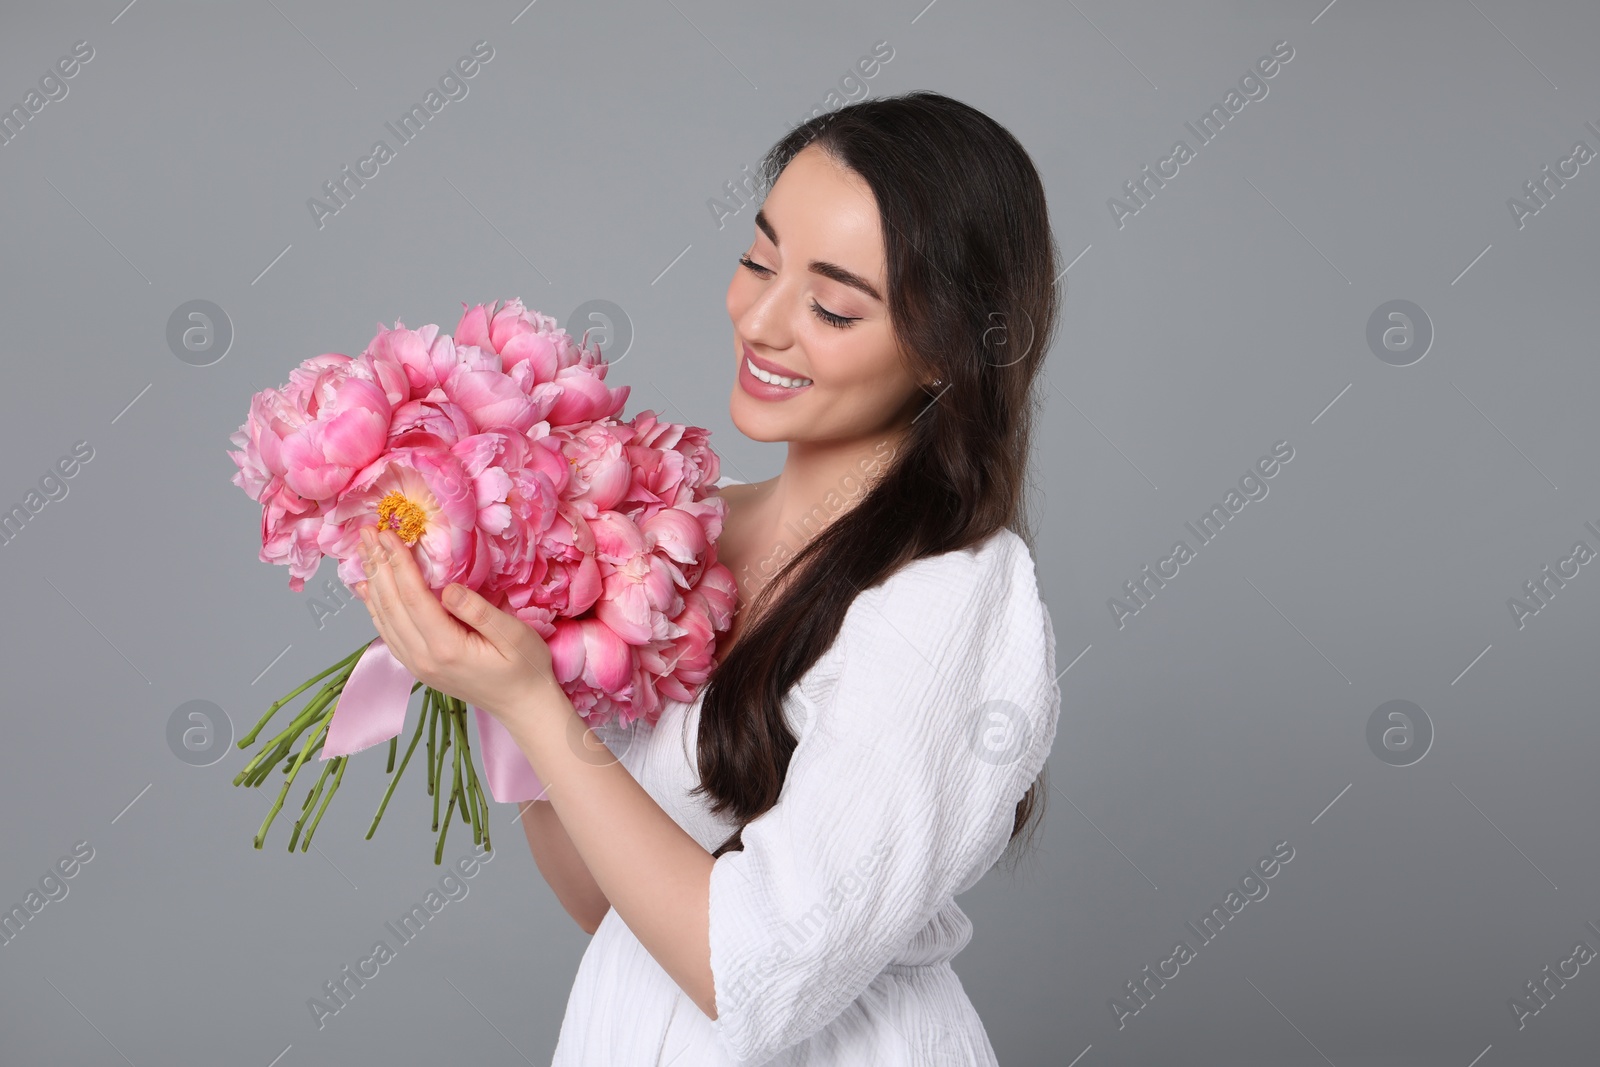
<point x="608" y="661"/>
<point x="677" y="534"/>
<point x="567" y="650"/>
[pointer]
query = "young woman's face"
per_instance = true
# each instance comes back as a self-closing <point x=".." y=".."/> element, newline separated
<point x="808" y="304"/>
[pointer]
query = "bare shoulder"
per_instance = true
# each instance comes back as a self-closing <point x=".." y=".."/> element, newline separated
<point x="732" y="543"/>
<point x="740" y="490"/>
<point x="734" y="491"/>
<point x="738" y="495"/>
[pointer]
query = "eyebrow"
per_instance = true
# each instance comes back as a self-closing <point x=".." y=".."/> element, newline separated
<point x="822" y="267"/>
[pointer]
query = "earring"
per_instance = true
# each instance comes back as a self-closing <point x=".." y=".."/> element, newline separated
<point x="938" y="381"/>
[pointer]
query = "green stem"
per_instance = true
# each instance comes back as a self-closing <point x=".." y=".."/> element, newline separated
<point x="261" y="834"/>
<point x="342" y="761"/>
<point x="458" y="719"/>
<point x="277" y="804"/>
<point x="438" y="852"/>
<point x="432" y="707"/>
<point x="438" y="772"/>
<point x="479" y="818"/>
<point x="270" y="752"/>
<point x="252" y="778"/>
<point x="249" y="738"/>
<point x="312" y="739"/>
<point x="311" y="799"/>
<point x="389" y="792"/>
<point x="475" y="790"/>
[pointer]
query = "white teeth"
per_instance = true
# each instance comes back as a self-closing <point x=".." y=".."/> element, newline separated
<point x="775" y="379"/>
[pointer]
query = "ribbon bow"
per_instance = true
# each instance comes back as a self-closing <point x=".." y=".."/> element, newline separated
<point x="372" y="708"/>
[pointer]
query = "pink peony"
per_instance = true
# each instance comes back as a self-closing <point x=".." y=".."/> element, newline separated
<point x="291" y="539"/>
<point x="672" y="463"/>
<point x="534" y="349"/>
<point x="443" y="502"/>
<point x="304" y="443"/>
<point x="334" y="419"/>
<point x="497" y="457"/>
<point x="597" y="452"/>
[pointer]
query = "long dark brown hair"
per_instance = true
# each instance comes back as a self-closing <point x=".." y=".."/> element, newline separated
<point x="972" y="300"/>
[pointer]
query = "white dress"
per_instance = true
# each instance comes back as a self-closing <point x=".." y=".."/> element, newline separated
<point x="831" y="933"/>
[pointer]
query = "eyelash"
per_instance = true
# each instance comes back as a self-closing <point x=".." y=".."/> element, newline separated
<point x="840" y="321"/>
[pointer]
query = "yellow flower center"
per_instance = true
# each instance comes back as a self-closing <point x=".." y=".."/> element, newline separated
<point x="400" y="513"/>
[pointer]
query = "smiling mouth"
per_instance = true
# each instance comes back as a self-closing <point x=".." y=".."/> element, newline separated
<point x="775" y="379"/>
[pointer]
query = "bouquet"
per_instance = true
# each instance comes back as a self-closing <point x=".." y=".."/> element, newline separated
<point x="498" y="459"/>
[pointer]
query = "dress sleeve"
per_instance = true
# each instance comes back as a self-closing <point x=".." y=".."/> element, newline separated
<point x="900" y="794"/>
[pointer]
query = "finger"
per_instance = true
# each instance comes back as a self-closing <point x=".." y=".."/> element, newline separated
<point x="432" y="626"/>
<point x="369" y="596"/>
<point x="476" y="611"/>
<point x="504" y="631"/>
<point x="378" y="623"/>
<point x="398" y="631"/>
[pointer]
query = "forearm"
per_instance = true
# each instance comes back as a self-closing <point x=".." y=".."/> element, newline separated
<point x="561" y="865"/>
<point x="654" y="874"/>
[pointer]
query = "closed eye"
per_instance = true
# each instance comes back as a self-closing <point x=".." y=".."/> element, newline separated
<point x="829" y="317"/>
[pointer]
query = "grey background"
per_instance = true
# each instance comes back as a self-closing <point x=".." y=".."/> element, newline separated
<point x="1230" y="313"/>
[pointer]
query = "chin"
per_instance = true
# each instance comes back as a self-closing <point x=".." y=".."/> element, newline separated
<point x="755" y="424"/>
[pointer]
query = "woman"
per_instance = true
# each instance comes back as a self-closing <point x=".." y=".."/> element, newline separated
<point x="876" y="729"/>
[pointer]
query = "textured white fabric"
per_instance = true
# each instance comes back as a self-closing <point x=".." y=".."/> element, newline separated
<point x="832" y="931"/>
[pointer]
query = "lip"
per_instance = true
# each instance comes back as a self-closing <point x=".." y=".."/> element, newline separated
<point x="759" y="389"/>
<point x="769" y="366"/>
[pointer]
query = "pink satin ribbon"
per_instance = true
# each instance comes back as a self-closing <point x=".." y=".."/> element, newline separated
<point x="372" y="708"/>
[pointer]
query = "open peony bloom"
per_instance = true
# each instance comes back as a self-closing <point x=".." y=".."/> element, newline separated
<point x="607" y="678"/>
<point x="496" y="455"/>
<point x="542" y="356"/>
<point x="442" y="502"/>
<point x="305" y="442"/>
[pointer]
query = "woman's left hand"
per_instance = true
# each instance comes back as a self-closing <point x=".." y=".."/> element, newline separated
<point x="490" y="658"/>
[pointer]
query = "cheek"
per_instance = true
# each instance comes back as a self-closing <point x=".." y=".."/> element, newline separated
<point x="852" y="359"/>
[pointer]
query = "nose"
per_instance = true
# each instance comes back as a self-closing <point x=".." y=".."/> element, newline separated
<point x="766" y="317"/>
